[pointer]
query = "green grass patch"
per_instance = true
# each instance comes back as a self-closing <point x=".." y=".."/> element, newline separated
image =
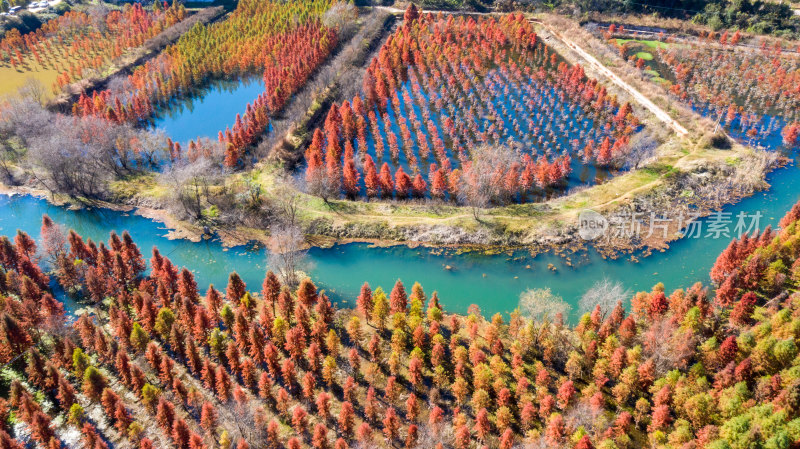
<point x="520" y="210"/>
<point x="651" y="44"/>
<point x="576" y="205"/>
<point x="647" y="56"/>
<point x="660" y="170"/>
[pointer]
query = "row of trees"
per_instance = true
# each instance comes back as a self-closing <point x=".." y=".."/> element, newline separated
<point x="453" y="87"/>
<point x="283" y="41"/>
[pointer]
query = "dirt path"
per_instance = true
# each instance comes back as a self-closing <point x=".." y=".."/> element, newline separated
<point x="632" y="91"/>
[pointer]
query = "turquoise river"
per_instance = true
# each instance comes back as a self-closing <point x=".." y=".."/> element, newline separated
<point x="494" y="282"/>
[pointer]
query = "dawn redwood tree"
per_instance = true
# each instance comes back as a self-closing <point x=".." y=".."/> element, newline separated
<point x="300" y="420"/>
<point x="208" y="417"/>
<point x="236" y="288"/>
<point x="604" y="152"/>
<point x="223" y="385"/>
<point x="565" y="394"/>
<point x="391" y="425"/>
<point x="364" y="301"/>
<point x="482" y="424"/>
<point x="322" y="402"/>
<point x="320" y="438"/>
<point x="398" y="300"/>
<point x="743" y="310"/>
<point x="556" y="429"/>
<point x="412" y="407"/>
<point x="462" y="437"/>
<point x="727" y="351"/>
<point x="346" y="419"/>
<point x="790" y="134"/>
<point x="307" y="293"/>
<point x="419" y="186"/>
<point x="181" y="434"/>
<point x="412" y="437"/>
<point x="351" y="178"/>
<point x="93" y="383"/>
<point x="415" y="372"/>
<point x="584" y="443"/>
<point x="273" y="434"/>
<point x="402" y="183"/>
<point x="385" y="182"/>
<point x="371" y="180"/>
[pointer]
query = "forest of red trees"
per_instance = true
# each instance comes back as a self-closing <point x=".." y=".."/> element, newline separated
<point x="754" y="92"/>
<point x="283" y="367"/>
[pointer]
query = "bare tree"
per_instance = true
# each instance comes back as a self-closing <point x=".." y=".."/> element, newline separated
<point x="287" y="241"/>
<point x="475" y="190"/>
<point x="77" y="156"/>
<point x="604" y="293"/>
<point x="33" y="89"/>
<point x="287" y="199"/>
<point x="97" y="14"/>
<point x="668" y="346"/>
<point x="190" y="185"/>
<point x="342" y="16"/>
<point x="541" y="304"/>
<point x="322" y="185"/>
<point x="285" y="248"/>
<point x="478" y="187"/>
<point x="641" y="148"/>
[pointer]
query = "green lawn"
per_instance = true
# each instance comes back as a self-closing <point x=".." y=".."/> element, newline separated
<point x="651" y="44"/>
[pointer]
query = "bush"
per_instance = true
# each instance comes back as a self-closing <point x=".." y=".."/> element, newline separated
<point x="720" y="141"/>
<point x="25" y="22"/>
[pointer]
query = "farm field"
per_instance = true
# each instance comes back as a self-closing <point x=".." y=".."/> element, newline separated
<point x="444" y="90"/>
<point x="73" y="46"/>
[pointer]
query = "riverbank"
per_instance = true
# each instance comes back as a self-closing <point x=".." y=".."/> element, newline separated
<point x="713" y="177"/>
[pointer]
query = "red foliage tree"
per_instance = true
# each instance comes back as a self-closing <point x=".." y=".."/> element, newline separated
<point x="398" y="300"/>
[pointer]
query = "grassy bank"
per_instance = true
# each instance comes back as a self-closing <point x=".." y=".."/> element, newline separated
<point x="682" y="164"/>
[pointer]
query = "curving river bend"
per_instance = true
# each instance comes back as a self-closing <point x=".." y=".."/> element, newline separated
<point x="493" y="282"/>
